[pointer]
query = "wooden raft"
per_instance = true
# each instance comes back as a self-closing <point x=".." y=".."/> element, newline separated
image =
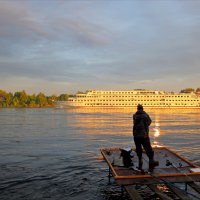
<point x="172" y="169"/>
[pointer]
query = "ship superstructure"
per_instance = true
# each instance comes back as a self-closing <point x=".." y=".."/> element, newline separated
<point x="131" y="98"/>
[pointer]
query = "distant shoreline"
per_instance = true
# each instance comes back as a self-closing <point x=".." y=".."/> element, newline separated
<point x="30" y="107"/>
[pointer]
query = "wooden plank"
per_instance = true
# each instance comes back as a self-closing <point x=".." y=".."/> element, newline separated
<point x="109" y="164"/>
<point x="182" y="158"/>
<point x="147" y="179"/>
<point x="180" y="193"/>
<point x="133" y="193"/>
<point x="126" y="176"/>
<point x="195" y="186"/>
<point x="159" y="193"/>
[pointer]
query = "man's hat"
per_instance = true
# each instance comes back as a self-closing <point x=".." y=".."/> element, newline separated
<point x="139" y="107"/>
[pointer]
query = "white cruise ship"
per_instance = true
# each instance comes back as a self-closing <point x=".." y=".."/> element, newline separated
<point x="131" y="98"/>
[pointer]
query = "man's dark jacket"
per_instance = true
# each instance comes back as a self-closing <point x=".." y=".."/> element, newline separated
<point x="141" y="123"/>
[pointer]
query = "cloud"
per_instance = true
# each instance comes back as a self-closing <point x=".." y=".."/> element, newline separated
<point x="101" y="44"/>
<point x="27" y="34"/>
<point x="82" y="32"/>
<point x="19" y="29"/>
<point x="17" y="22"/>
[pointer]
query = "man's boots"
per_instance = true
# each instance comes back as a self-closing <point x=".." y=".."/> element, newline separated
<point x="152" y="163"/>
<point x="140" y="163"/>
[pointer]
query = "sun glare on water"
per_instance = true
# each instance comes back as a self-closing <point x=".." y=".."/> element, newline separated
<point x="156" y="131"/>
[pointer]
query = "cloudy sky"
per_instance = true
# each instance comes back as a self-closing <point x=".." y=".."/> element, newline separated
<point x="65" y="46"/>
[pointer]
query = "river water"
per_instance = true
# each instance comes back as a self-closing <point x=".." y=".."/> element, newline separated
<point x="54" y="153"/>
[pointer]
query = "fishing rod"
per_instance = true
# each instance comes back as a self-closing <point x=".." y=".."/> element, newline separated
<point x="169" y="163"/>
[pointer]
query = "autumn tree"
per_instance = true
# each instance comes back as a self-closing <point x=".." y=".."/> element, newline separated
<point x="63" y="97"/>
<point x="32" y="100"/>
<point x="3" y="95"/>
<point x="198" y="91"/>
<point x="9" y="100"/>
<point x="41" y="100"/>
<point x="187" y="90"/>
<point x="52" y="99"/>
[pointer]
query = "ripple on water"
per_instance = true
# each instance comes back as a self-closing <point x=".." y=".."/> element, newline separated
<point x="52" y="154"/>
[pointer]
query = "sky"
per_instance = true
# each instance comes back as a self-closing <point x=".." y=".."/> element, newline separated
<point x="65" y="46"/>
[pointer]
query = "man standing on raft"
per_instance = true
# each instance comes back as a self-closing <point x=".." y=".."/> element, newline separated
<point x="141" y="123"/>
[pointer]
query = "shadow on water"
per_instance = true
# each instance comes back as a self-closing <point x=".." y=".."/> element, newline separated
<point x="53" y="153"/>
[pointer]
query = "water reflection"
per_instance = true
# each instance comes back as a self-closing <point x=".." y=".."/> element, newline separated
<point x="174" y="128"/>
<point x="110" y="121"/>
<point x="130" y="110"/>
<point x="119" y="121"/>
<point x="61" y="146"/>
<point x="156" y="133"/>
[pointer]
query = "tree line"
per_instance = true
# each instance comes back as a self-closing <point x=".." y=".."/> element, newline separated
<point x="22" y="99"/>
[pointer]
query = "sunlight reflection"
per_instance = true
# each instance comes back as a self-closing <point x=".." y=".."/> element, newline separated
<point x="156" y="133"/>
